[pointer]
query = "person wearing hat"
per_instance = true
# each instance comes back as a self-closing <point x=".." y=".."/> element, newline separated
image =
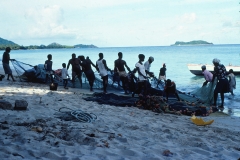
<point x="222" y="85"/>
<point x="207" y="75"/>
<point x="147" y="66"/>
<point x="5" y="62"/>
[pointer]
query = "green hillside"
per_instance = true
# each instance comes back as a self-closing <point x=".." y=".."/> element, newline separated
<point x="84" y="46"/>
<point x="5" y="43"/>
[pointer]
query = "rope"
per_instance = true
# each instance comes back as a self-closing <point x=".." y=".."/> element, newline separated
<point x="80" y="115"/>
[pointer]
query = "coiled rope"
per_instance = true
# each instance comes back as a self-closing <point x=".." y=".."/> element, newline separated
<point x="80" y="115"/>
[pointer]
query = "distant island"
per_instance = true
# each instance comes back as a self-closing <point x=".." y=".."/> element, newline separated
<point x="6" y="43"/>
<point x="196" y="42"/>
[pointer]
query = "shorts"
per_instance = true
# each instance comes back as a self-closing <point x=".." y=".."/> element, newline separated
<point x="222" y="86"/>
<point x="7" y="68"/>
<point x="162" y="78"/>
<point x="49" y="72"/>
<point x="122" y="73"/>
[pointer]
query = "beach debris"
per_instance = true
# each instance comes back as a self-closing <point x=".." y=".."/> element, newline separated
<point x="37" y="129"/>
<point x="79" y="115"/>
<point x="20" y="105"/>
<point x="200" y="121"/>
<point x="167" y="153"/>
<point x="238" y="149"/>
<point x="5" y="104"/>
<point x="91" y="135"/>
<point x="16" y="154"/>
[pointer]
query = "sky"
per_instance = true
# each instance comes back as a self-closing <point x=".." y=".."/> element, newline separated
<point x="119" y="23"/>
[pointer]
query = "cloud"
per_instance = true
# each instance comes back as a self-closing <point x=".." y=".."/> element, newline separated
<point x="47" y="22"/>
<point x="188" y="18"/>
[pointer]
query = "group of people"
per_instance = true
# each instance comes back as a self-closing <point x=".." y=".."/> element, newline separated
<point x="80" y="64"/>
<point x="224" y="84"/>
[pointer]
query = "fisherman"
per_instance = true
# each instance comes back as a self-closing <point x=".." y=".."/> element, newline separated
<point x="101" y="66"/>
<point x="171" y="88"/>
<point x="222" y="85"/>
<point x="87" y="69"/>
<point x="147" y="66"/>
<point x="231" y="81"/>
<point x="142" y="76"/>
<point x="207" y="75"/>
<point x="5" y="62"/>
<point x="76" y="70"/>
<point x="162" y="73"/>
<point x="48" y="68"/>
<point x="119" y="67"/>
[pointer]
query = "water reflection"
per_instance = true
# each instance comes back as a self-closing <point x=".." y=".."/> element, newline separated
<point x="231" y="111"/>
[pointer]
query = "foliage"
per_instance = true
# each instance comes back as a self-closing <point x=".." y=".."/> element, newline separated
<point x="5" y="43"/>
<point x="198" y="42"/>
<point x="84" y="46"/>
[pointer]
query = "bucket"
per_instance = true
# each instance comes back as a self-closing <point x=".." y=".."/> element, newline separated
<point x="53" y="86"/>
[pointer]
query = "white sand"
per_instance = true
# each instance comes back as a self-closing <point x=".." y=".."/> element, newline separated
<point x="118" y="133"/>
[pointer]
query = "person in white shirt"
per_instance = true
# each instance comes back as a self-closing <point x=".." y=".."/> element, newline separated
<point x="147" y="66"/>
<point x="65" y="75"/>
<point x="142" y="76"/>
<point x="101" y="66"/>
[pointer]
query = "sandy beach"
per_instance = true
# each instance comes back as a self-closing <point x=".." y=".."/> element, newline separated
<point x="118" y="133"/>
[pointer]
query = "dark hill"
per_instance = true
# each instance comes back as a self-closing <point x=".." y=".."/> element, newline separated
<point x="196" y="42"/>
<point x="5" y="43"/>
<point x="84" y="46"/>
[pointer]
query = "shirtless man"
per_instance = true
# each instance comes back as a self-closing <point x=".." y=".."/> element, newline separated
<point x="86" y="66"/>
<point x="119" y="66"/>
<point x="76" y="70"/>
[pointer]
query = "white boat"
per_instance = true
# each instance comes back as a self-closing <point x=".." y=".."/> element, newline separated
<point x="197" y="70"/>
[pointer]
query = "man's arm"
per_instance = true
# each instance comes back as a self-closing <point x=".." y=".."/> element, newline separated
<point x="68" y="64"/>
<point x="97" y="67"/>
<point x="92" y="64"/>
<point x="105" y="65"/>
<point x="127" y="67"/>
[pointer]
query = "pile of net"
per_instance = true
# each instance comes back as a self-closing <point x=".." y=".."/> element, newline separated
<point x="155" y="103"/>
<point x="34" y="73"/>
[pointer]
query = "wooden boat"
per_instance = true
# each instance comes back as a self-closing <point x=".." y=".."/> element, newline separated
<point x="197" y="70"/>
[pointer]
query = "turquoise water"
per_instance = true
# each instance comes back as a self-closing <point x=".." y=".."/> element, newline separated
<point x="175" y="57"/>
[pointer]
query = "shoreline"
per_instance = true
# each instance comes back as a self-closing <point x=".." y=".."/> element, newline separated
<point x="117" y="133"/>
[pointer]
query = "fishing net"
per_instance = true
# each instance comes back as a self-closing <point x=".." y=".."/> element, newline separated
<point x="202" y="95"/>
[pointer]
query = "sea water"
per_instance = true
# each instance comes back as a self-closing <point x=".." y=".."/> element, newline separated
<point x="176" y="59"/>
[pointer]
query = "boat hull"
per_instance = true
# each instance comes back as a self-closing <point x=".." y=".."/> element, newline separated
<point x="196" y="69"/>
